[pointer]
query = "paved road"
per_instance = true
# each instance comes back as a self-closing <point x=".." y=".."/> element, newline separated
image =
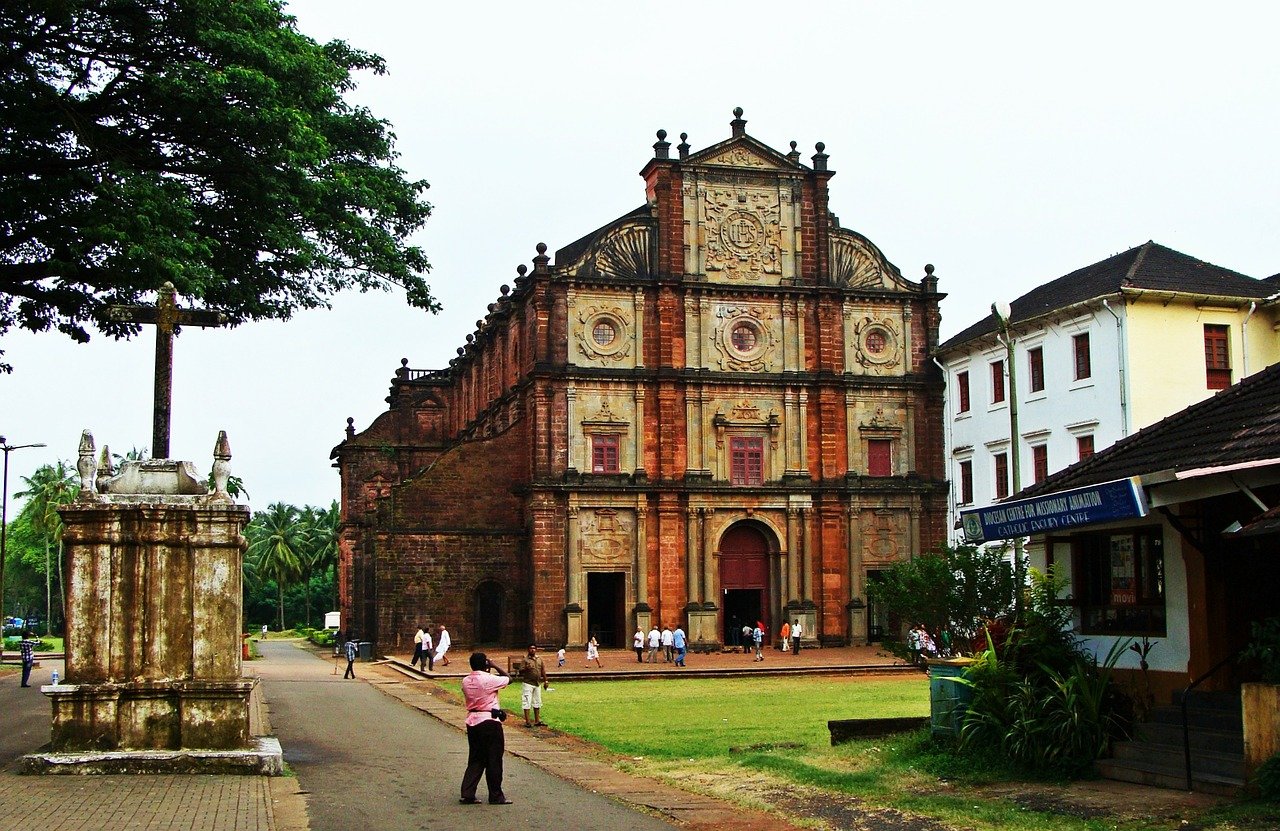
<point x="368" y="761"/>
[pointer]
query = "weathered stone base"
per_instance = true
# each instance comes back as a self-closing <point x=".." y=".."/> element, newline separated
<point x="265" y="758"/>
<point x="151" y="715"/>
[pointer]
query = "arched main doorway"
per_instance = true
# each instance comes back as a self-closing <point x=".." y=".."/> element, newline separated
<point x="744" y="579"/>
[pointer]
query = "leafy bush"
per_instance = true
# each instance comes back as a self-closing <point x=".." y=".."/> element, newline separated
<point x="1268" y="778"/>
<point x="321" y="637"/>
<point x="954" y="592"/>
<point x="1264" y="648"/>
<point x="1038" y="696"/>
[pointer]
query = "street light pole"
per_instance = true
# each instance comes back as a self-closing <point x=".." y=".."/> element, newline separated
<point x="1003" y="312"/>
<point x="4" y="523"/>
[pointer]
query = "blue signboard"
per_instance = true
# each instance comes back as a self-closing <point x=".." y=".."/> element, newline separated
<point x="1107" y="502"/>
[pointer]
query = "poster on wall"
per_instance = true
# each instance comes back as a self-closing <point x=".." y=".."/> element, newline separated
<point x="1123" y="584"/>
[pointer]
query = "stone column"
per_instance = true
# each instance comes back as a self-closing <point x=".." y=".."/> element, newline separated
<point x="643" y="611"/>
<point x="792" y="589"/>
<point x="708" y="560"/>
<point x="638" y="425"/>
<point x="693" y="592"/>
<point x="857" y="605"/>
<point x="574" y="429"/>
<point x="806" y="550"/>
<point x="803" y="465"/>
<point x="573" y="569"/>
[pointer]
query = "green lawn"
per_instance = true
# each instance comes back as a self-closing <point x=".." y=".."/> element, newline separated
<point x="705" y="717"/>
<point x="749" y="739"/>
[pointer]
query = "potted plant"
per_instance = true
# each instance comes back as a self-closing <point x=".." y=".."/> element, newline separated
<point x="1260" y="701"/>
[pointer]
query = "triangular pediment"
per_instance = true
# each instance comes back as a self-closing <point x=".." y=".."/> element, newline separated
<point x="744" y="152"/>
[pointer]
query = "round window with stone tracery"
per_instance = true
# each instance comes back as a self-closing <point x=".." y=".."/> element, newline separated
<point x="876" y="342"/>
<point x="603" y="333"/>
<point x="744" y="337"/>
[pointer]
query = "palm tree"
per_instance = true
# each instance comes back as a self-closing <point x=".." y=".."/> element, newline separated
<point x="48" y="488"/>
<point x="277" y="544"/>
<point x="322" y="547"/>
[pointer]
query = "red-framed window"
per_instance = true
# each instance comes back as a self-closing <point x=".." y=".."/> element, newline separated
<point x="966" y="483"/>
<point x="962" y="392"/>
<point x="1084" y="447"/>
<point x="879" y="457"/>
<point x="1040" y="461"/>
<point x="1035" y="367"/>
<point x="1217" y="358"/>
<point x="1083" y="361"/>
<point x="1002" y="475"/>
<point x="997" y="382"/>
<point x="746" y="460"/>
<point x="604" y="454"/>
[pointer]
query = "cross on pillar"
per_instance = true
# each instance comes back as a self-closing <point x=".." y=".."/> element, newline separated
<point x="167" y="317"/>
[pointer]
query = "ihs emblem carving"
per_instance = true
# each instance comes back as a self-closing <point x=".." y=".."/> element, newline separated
<point x="743" y="233"/>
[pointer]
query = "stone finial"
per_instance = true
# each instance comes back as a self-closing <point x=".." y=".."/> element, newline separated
<point x="471" y="338"/>
<point x="106" y="467"/>
<point x="461" y="351"/>
<point x="221" y="464"/>
<point x="794" y="155"/>
<point x="683" y="147"/>
<point x="662" y="147"/>
<point x="930" y="280"/>
<point x="504" y="289"/>
<point x="351" y="427"/>
<point x="540" y="261"/>
<point x="820" y="158"/>
<point x="85" y="464"/>
<point x="739" y="124"/>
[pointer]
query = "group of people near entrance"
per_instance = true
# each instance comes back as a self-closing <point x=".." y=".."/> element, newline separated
<point x="427" y="651"/>
<point x="753" y="638"/>
<point x="673" y="643"/>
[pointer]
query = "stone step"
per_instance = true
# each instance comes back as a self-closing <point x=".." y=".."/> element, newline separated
<point x="1210" y="718"/>
<point x="1161" y="776"/>
<point x="1202" y="739"/>
<point x="1230" y="765"/>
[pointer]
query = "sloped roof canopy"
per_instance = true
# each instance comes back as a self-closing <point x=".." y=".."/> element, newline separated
<point x="1149" y="266"/>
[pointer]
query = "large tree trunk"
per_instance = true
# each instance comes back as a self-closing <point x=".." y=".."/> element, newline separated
<point x="280" y="602"/>
<point x="62" y="590"/>
<point x="48" y="591"/>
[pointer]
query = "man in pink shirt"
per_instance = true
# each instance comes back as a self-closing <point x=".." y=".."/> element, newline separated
<point x="485" y="743"/>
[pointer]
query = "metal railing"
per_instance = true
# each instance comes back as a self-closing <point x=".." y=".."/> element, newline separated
<point x="1186" y="728"/>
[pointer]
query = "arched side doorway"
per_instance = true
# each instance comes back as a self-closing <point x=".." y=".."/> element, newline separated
<point x="490" y="605"/>
<point x="744" y="580"/>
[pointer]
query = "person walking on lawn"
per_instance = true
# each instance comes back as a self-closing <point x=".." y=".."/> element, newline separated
<point x="533" y="677"/>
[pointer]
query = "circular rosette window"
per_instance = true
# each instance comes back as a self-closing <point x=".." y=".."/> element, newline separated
<point x="877" y="343"/>
<point x="606" y="334"/>
<point x="746" y="339"/>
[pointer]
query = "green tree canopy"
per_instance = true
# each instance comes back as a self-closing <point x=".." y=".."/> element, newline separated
<point x="954" y="591"/>
<point x="277" y="543"/>
<point x="201" y="142"/>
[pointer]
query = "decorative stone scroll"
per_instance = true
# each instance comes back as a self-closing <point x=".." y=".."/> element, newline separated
<point x="624" y="251"/>
<point x="857" y="263"/>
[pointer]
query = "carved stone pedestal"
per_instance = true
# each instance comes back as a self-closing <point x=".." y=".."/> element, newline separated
<point x="703" y="629"/>
<point x="153" y="615"/>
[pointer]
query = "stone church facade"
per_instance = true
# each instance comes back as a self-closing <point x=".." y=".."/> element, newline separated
<point x="714" y="409"/>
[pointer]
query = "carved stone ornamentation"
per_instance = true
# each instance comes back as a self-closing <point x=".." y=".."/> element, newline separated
<point x="221" y="464"/>
<point x="623" y="251"/>
<point x="877" y="345"/>
<point x="603" y="333"/>
<point x="857" y="263"/>
<point x="743" y="227"/>
<point x="740" y="157"/>
<point x="85" y="465"/>
<point x="605" y="537"/>
<point x="884" y="538"/>
<point x="744" y="338"/>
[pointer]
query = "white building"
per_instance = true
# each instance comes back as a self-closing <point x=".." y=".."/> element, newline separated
<point x="1097" y="355"/>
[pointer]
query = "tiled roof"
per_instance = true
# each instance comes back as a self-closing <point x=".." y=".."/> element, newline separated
<point x="1149" y="266"/>
<point x="1238" y="425"/>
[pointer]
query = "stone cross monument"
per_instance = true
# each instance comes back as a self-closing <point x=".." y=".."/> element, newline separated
<point x="154" y="620"/>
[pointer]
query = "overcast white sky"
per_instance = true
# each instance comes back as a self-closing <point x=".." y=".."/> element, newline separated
<point x="1007" y="143"/>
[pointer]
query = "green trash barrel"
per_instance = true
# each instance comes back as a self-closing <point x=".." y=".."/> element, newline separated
<point x="947" y="699"/>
